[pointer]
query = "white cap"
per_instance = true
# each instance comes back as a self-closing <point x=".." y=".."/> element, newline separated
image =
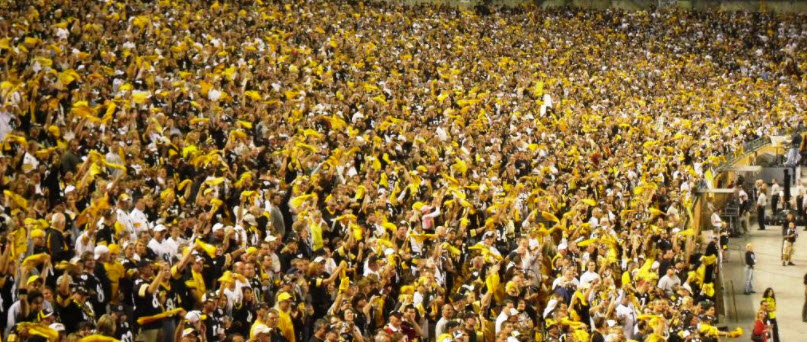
<point x="159" y="228"/>
<point x="193" y="316"/>
<point x="319" y="259"/>
<point x="270" y="238"/>
<point x="562" y="246"/>
<point x="513" y="312"/>
<point x="188" y="331"/>
<point x="261" y="329"/>
<point x="250" y="219"/>
<point x="57" y="326"/>
<point x="218" y="226"/>
<point x="101" y="250"/>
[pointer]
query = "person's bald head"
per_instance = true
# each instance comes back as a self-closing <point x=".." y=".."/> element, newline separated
<point x="57" y="221"/>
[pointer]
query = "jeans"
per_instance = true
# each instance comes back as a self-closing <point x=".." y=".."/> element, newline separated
<point x="749" y="277"/>
<point x="761" y="217"/>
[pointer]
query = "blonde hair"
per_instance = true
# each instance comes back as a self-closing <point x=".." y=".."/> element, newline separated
<point x="106" y="325"/>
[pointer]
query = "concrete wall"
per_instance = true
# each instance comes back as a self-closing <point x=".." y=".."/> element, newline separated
<point x="779" y="6"/>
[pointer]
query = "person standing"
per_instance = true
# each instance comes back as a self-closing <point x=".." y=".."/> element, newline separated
<point x="769" y="300"/>
<point x="745" y="208"/>
<point x="800" y="207"/>
<point x="775" y="196"/>
<point x="750" y="261"/>
<point x="790" y="238"/>
<point x="761" y="330"/>
<point x="804" y="307"/>
<point x="762" y="201"/>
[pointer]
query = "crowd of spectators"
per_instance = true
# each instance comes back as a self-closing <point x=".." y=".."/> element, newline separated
<point x="259" y="170"/>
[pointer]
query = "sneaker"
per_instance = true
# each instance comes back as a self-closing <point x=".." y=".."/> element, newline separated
<point x="791" y="264"/>
<point x="752" y="291"/>
<point x="784" y="263"/>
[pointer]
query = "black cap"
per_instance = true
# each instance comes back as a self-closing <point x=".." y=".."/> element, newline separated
<point x="80" y="289"/>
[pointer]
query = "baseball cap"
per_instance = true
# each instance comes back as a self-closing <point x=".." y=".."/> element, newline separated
<point x="45" y="313"/>
<point x="283" y="296"/>
<point x="218" y="226"/>
<point x="261" y="329"/>
<point x="100" y="250"/>
<point x="194" y="316"/>
<point x="188" y="332"/>
<point x="80" y="289"/>
<point x="159" y="228"/>
<point x="57" y="326"/>
<point x="32" y="279"/>
<point x="210" y="295"/>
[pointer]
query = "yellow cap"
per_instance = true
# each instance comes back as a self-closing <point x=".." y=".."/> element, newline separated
<point x="37" y="233"/>
<point x="114" y="249"/>
<point x="32" y="279"/>
<point x="283" y="296"/>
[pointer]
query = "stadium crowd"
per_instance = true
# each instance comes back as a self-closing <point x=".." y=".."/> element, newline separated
<point x="263" y="170"/>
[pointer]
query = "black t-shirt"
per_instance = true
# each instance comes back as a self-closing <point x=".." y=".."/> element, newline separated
<point x="97" y="296"/>
<point x="213" y="323"/>
<point x="145" y="304"/>
<point x="124" y="332"/>
<point x="597" y="337"/>
<point x="319" y="293"/>
<point x="73" y="315"/>
<point x="243" y="317"/>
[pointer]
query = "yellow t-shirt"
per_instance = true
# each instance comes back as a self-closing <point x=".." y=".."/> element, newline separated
<point x="285" y="325"/>
<point x="771" y="307"/>
<point x="258" y="322"/>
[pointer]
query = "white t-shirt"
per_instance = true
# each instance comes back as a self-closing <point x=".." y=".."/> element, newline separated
<point x="82" y="246"/>
<point x="588" y="277"/>
<point x="162" y="249"/>
<point x="762" y="200"/>
<point x="139" y="221"/>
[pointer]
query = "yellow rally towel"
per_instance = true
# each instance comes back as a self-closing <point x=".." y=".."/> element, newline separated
<point x="151" y="319"/>
<point x="98" y="338"/>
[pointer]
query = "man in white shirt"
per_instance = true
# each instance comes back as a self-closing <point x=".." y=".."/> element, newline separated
<point x="160" y="246"/>
<point x="138" y="218"/>
<point x="590" y="274"/>
<point x="717" y="222"/>
<point x="447" y="315"/>
<point x="626" y="313"/>
<point x="669" y="282"/>
<point x="775" y="196"/>
<point x="86" y="240"/>
<point x="507" y="311"/>
<point x="122" y="207"/>
<point x="29" y="161"/>
<point x="762" y="200"/>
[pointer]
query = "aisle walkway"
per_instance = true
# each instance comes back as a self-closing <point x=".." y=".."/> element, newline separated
<point x="787" y="282"/>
